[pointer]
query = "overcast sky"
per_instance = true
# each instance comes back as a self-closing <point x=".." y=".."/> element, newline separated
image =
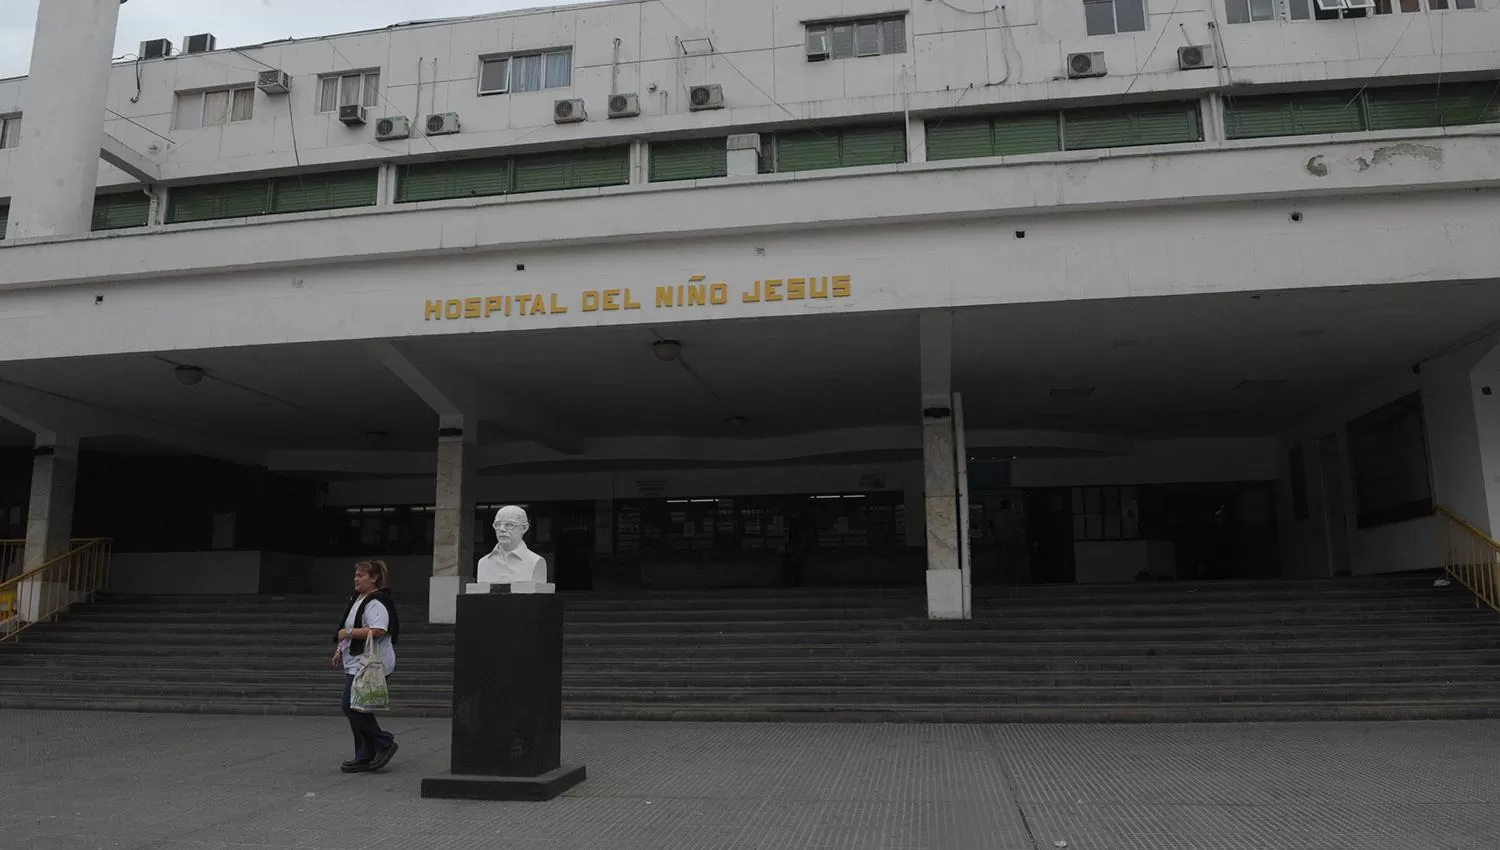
<point x="240" y="22"/>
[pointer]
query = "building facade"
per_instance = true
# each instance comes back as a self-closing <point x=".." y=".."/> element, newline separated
<point x="741" y="293"/>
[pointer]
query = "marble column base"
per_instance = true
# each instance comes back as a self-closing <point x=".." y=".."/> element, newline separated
<point x="442" y="601"/>
<point x="948" y="597"/>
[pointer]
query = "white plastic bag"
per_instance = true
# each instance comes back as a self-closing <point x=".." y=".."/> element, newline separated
<point x="369" y="692"/>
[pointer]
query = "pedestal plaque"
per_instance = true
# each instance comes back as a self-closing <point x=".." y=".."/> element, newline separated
<point x="507" y="701"/>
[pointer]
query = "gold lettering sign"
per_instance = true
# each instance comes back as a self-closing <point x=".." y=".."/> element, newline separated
<point x="698" y="292"/>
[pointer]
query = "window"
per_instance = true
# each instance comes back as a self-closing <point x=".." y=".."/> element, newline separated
<point x="692" y="159"/>
<point x="523" y="72"/>
<point x="212" y="108"/>
<point x="1069" y="130"/>
<point x="861" y="37"/>
<point x="120" y="209"/>
<point x="504" y="175"/>
<point x="1107" y="17"/>
<point x="296" y="193"/>
<point x="10" y="131"/>
<point x="341" y="90"/>
<point x="1106" y="513"/>
<point x="835" y="147"/>
<point x="1389" y="108"/>
<point x="1245" y="11"/>
<point x="1388" y="455"/>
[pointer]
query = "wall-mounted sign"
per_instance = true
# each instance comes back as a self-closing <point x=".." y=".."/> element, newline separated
<point x="697" y="292"/>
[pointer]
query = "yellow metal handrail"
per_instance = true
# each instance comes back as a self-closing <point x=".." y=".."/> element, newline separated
<point x="1471" y="558"/>
<point x="39" y="595"/>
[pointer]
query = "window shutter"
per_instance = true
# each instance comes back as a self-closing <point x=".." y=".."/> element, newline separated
<point x="464" y="178"/>
<point x="1291" y="115"/>
<point x="1114" y="127"/>
<point x="114" y="211"/>
<point x="807" y="151"/>
<point x="961" y="139"/>
<point x="872" y="146"/>
<point x="1430" y="106"/>
<point x="214" y="201"/>
<point x="4" y="220"/>
<point x="573" y="169"/>
<point x="324" y="191"/>
<point x="693" y="159"/>
<point x="1022" y="134"/>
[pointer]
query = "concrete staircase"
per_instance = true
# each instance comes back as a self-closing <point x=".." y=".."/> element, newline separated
<point x="1390" y="648"/>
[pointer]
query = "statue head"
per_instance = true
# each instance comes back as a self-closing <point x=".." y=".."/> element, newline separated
<point x="510" y="527"/>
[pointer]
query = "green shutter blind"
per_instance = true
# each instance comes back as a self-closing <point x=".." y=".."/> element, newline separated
<point x="807" y="151"/>
<point x="960" y="139"/>
<point x="463" y="178"/>
<point x="1291" y="115"/>
<point x="304" y="193"/>
<point x="573" y="169"/>
<point x="1016" y="135"/>
<point x="1117" y="127"/>
<point x="693" y="159"/>
<point x="126" y="209"/>
<point x="220" y="200"/>
<point x="1431" y="106"/>
<point x="873" y="146"/>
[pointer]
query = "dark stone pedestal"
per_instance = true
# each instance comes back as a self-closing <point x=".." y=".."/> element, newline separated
<point x="507" y="701"/>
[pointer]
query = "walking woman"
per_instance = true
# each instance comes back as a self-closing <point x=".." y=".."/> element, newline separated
<point x="371" y="615"/>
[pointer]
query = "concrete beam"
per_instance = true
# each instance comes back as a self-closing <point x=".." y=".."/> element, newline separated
<point x="455" y="396"/>
<point x="44" y="413"/>
<point x="129" y="160"/>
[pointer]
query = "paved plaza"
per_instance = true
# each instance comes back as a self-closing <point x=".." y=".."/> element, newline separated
<point x="192" y="782"/>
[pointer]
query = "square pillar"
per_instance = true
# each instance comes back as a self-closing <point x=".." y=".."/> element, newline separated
<point x="49" y="518"/>
<point x="744" y="154"/>
<point x="948" y="591"/>
<point x="453" y="560"/>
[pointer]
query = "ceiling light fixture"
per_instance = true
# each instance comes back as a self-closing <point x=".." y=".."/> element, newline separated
<point x="188" y="375"/>
<point x="667" y="350"/>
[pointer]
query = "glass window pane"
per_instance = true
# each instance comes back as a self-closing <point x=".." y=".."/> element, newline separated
<point x="1237" y="11"/>
<point x="528" y="73"/>
<point x="189" y="114"/>
<point x="10" y="132"/>
<point x="372" y="89"/>
<point x="560" y="69"/>
<point x="244" y="105"/>
<point x="349" y="89"/>
<point x="867" y="39"/>
<point x="1130" y="15"/>
<point x="215" y="107"/>
<point x="1099" y="15"/>
<point x="843" y="41"/>
<point x="1298" y="9"/>
<point x="328" y="96"/>
<point x="1465" y="4"/>
<point x="493" y="75"/>
<point x="895" y="36"/>
<point x="1263" y="10"/>
<point x="1438" y="5"/>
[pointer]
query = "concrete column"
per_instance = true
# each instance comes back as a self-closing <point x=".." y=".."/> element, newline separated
<point x="916" y="140"/>
<point x="640" y="171"/>
<point x="604" y="526"/>
<point x="743" y="150"/>
<point x="49" y="519"/>
<point x="57" y="163"/>
<point x="453" y="560"/>
<point x="947" y="582"/>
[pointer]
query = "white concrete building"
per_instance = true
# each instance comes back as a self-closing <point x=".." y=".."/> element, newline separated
<point x="952" y="292"/>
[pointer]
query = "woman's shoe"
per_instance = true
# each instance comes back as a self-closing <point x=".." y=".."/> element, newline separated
<point x="355" y="766"/>
<point x="383" y="757"/>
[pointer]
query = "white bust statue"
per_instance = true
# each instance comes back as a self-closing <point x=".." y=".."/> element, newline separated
<point x="511" y="561"/>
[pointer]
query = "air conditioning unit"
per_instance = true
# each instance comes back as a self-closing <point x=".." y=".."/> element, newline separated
<point x="396" y="127"/>
<point x="624" y="106"/>
<point x="1196" y="56"/>
<point x="353" y="115"/>
<point x="274" y="82"/>
<point x="1082" y="65"/>
<point x="201" y="43"/>
<point x="819" y="48"/>
<point x="156" y="48"/>
<point x="569" y="111"/>
<point x="706" y="97"/>
<point x="442" y="123"/>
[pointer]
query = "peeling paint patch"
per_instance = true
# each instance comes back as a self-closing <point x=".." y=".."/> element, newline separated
<point x="1383" y="155"/>
<point x="1317" y="167"/>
